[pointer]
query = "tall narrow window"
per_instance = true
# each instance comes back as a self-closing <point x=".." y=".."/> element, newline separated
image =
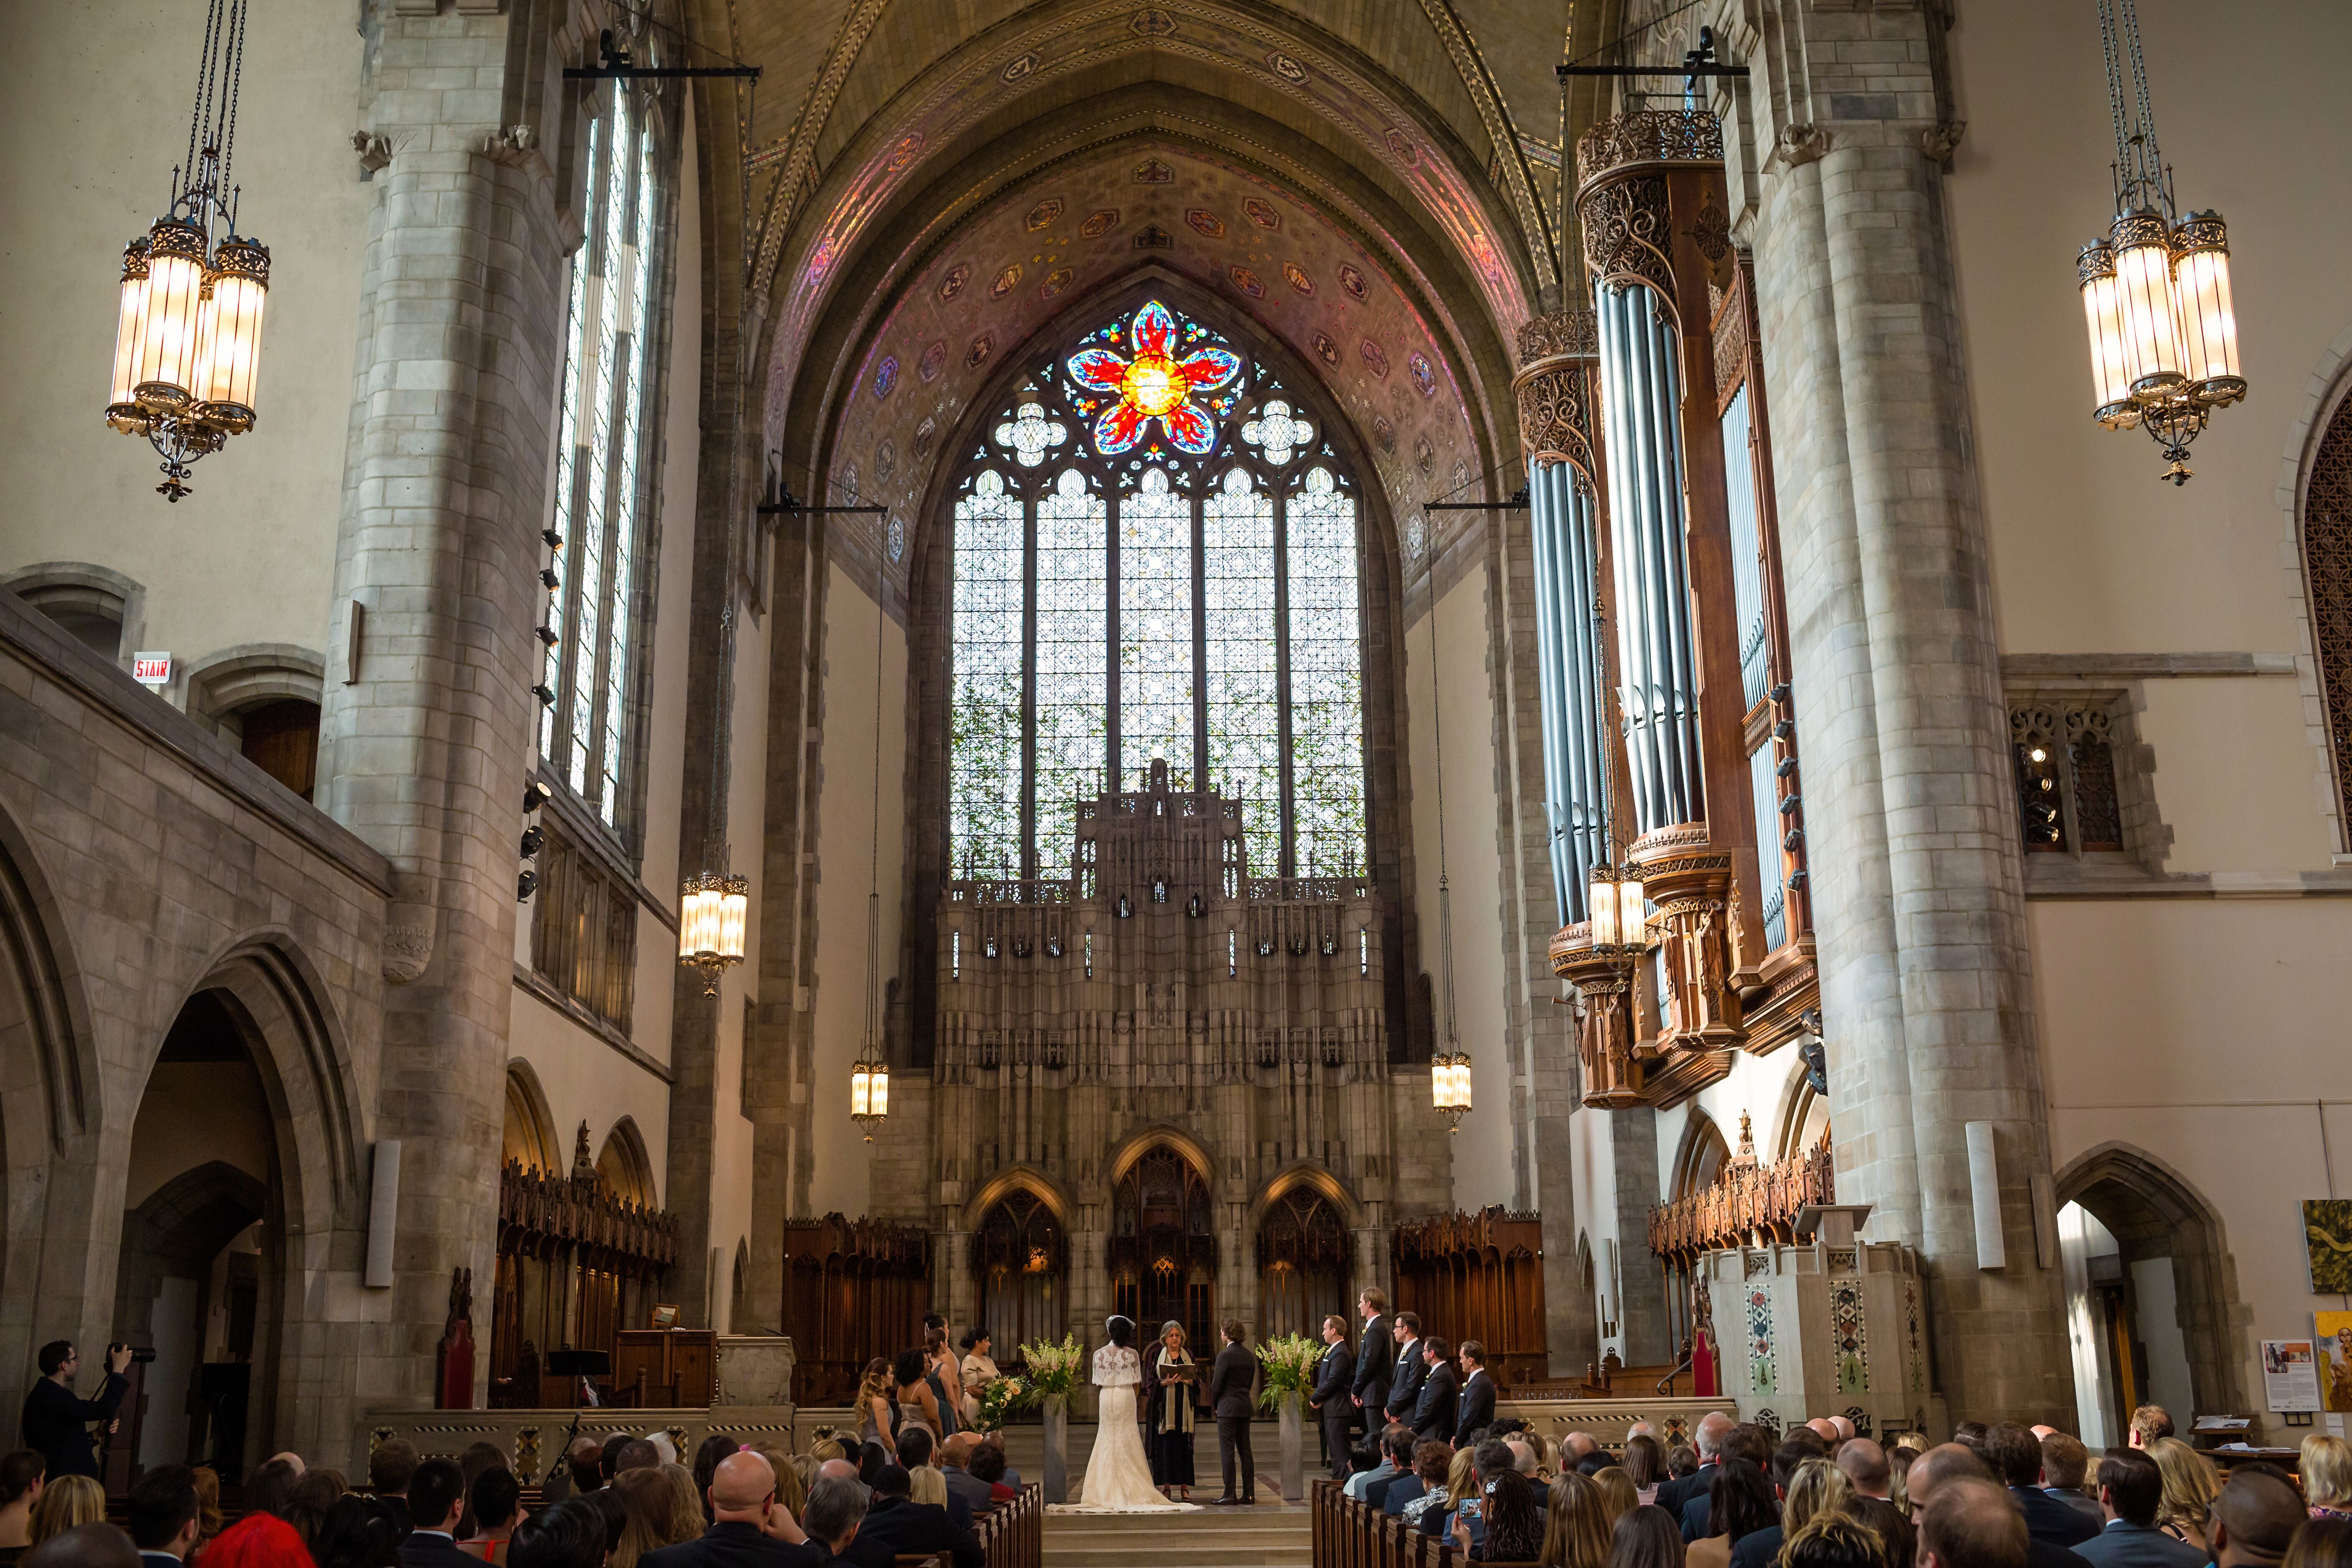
<point x="600" y="507"/>
<point x="1244" y="690"/>
<point x="1073" y="689"/>
<point x="1157" y="556"/>
<point x="986" y="788"/>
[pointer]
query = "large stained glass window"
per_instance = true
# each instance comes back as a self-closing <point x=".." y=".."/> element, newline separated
<point x="600" y="507"/>
<point x="1156" y="559"/>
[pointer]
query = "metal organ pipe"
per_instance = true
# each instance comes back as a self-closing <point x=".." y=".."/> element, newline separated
<point x="1640" y="394"/>
<point x="1566" y="585"/>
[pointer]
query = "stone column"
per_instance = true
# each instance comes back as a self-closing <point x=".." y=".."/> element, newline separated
<point x="1909" y="799"/>
<point x="423" y="754"/>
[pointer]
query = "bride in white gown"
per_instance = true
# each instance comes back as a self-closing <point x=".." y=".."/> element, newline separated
<point x="1118" y="1479"/>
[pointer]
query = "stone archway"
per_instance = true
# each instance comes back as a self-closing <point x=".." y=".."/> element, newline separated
<point x="171" y="1242"/>
<point x="2154" y="1212"/>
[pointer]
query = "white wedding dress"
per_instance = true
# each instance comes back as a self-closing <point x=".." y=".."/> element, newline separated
<point x="1118" y="1478"/>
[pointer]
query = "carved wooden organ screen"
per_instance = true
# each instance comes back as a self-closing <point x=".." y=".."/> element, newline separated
<point x="1662" y="654"/>
<point x="1163" y="1247"/>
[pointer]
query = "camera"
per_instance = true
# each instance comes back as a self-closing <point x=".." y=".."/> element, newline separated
<point x="140" y="1354"/>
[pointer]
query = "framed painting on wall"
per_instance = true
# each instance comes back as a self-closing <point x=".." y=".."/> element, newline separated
<point x="2327" y="1239"/>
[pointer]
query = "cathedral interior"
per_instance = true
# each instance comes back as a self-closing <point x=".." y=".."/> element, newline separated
<point x="798" y="664"/>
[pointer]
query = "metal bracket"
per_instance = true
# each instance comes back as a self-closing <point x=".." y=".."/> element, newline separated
<point x="1515" y="503"/>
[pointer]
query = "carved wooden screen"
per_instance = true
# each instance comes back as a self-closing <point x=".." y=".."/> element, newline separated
<point x="1302" y="1257"/>
<point x="2327" y="570"/>
<point x="1478" y="1277"/>
<point x="854" y="1290"/>
<point x="1022" y="1260"/>
<point x="1163" y="1247"/>
<point x="575" y="1264"/>
<point x="1157" y="556"/>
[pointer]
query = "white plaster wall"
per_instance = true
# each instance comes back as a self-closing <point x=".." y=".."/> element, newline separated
<point x="586" y="1080"/>
<point x="1464" y="697"/>
<point x="2203" y="1032"/>
<point x="850" y="798"/>
<point x="1596" y="1215"/>
<point x="90" y="126"/>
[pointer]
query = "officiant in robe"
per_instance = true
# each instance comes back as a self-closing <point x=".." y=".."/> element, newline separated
<point x="1169" y="1407"/>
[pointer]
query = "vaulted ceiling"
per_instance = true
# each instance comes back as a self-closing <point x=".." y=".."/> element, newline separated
<point x="932" y="182"/>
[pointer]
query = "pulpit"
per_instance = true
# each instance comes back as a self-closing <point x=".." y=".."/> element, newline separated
<point x="666" y="1368"/>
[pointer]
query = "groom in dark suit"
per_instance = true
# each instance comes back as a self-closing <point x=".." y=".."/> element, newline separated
<point x="1232" y="1393"/>
<point x="1331" y="1400"/>
<point x="1433" y="1417"/>
<point x="1374" y="1353"/>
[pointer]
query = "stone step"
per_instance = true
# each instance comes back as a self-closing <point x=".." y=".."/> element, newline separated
<point x="1268" y="1536"/>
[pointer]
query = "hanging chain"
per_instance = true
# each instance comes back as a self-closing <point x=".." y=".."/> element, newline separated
<point x="1444" y="893"/>
<point x="203" y="96"/>
<point x="227" y="139"/>
<point x="2140" y="179"/>
<point x="874" y="851"/>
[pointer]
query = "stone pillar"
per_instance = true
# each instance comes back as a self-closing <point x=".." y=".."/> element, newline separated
<point x="423" y="754"/>
<point x="1910" y="800"/>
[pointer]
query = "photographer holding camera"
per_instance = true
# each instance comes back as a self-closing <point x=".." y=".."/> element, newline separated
<point x="57" y="1424"/>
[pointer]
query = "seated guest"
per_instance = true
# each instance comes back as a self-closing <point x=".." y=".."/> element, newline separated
<point x="749" y="1529"/>
<point x="390" y="1464"/>
<point x="1833" y="1540"/>
<point x="916" y="1448"/>
<point x="2324" y="1542"/>
<point x="2191" y="1483"/>
<point x="1618" y="1493"/>
<point x="1429" y="1509"/>
<point x="2130" y="1489"/>
<point x="1576" y="1524"/>
<point x="2256" y="1517"/>
<point x="1808" y="1484"/>
<point x="257" y="1541"/>
<point x="1397" y="1447"/>
<point x="1493" y="1459"/>
<point x="269" y="1490"/>
<point x="662" y="1512"/>
<point x="568" y="1535"/>
<point x="836" y="1512"/>
<point x="2148" y="1423"/>
<point x="495" y="1502"/>
<point x="1898" y="1542"/>
<point x="1746" y="1441"/>
<point x="1644" y="1464"/>
<point x="1429" y="1462"/>
<point x="1513" y="1524"/>
<point x="955" y="1466"/>
<point x="2326" y="1467"/>
<point x="96" y="1545"/>
<point x="1971" y="1523"/>
<point x="1646" y="1538"/>
<point x="2016" y="1458"/>
<point x="1864" y="1464"/>
<point x="988" y="1465"/>
<point x="163" y="1515"/>
<point x="20" y="1488"/>
<point x="896" y="1523"/>
<point x="1741" y="1501"/>
<point x="319" y="1491"/>
<point x="1380" y="1467"/>
<point x="1692" y="1480"/>
<point x="2064" y="1464"/>
<point x="436" y="1496"/>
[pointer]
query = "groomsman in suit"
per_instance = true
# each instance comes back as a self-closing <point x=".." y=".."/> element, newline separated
<point x="1372" y="1352"/>
<point x="1433" y="1415"/>
<point x="1477" y="1405"/>
<point x="1232" y="1388"/>
<point x="1334" y="1374"/>
<point x="1405" y="1388"/>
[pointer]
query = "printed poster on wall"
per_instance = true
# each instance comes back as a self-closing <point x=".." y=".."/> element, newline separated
<point x="2334" y="1349"/>
<point x="2290" y="1375"/>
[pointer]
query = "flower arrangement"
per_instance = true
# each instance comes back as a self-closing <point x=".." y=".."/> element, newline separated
<point x="1289" y="1361"/>
<point x="1053" y="1368"/>
<point x="1001" y="1397"/>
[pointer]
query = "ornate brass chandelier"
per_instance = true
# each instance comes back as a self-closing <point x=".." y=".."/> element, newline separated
<point x="187" y="340"/>
<point x="2156" y="291"/>
<point x="714" y="904"/>
<point x="1449" y="1065"/>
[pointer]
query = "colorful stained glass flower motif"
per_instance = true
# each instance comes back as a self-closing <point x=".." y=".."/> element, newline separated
<point x="1151" y="381"/>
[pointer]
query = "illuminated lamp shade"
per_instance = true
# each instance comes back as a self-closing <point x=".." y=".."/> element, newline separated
<point x="1604" y="905"/>
<point x="2208" y="322"/>
<point x="711" y="924"/>
<point x="230" y="362"/>
<point x="1633" y="914"/>
<point x="1620" y="912"/>
<point x="163" y="373"/>
<point x="1449" y="1085"/>
<point x="2103" y="318"/>
<point x="869" y="1094"/>
<point x="123" y="410"/>
<point x="2142" y="245"/>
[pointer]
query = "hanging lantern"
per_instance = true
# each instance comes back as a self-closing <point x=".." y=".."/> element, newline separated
<point x="1620" y="912"/>
<point x="187" y="335"/>
<point x="1449" y="1086"/>
<point x="870" y="1093"/>
<point x="2156" y="293"/>
<point x="711" y="914"/>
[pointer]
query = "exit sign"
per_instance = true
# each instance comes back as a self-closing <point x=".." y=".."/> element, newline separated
<point x="151" y="668"/>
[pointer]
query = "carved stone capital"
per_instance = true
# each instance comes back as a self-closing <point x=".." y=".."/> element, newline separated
<point x="1799" y="144"/>
<point x="1939" y="140"/>
<point x="375" y="151"/>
